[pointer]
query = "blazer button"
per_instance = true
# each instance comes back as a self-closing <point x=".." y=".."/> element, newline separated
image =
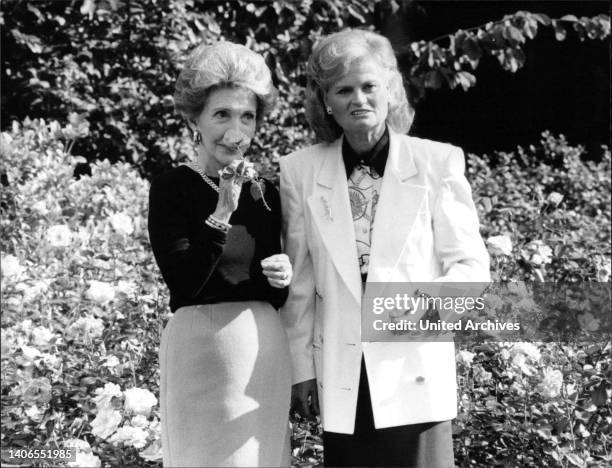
<point x="420" y="379"/>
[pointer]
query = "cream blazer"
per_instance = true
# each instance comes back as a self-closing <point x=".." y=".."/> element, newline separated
<point x="425" y="229"/>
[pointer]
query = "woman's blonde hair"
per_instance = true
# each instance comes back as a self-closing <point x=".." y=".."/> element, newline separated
<point x="222" y="65"/>
<point x="330" y="61"/>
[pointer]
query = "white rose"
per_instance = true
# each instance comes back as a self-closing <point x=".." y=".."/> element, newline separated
<point x="10" y="267"/>
<point x="59" y="235"/>
<point x="78" y="444"/>
<point x="50" y="360"/>
<point x="131" y="436"/>
<point x="153" y="452"/>
<point x="466" y="357"/>
<point x="85" y="460"/>
<point x="100" y="291"/>
<point x="86" y="328"/>
<point x="40" y="207"/>
<point x="31" y="292"/>
<point x="538" y="253"/>
<point x="34" y="413"/>
<point x="111" y="362"/>
<point x="140" y="421"/>
<point x="105" y="395"/>
<point x="550" y="387"/>
<point x="519" y="362"/>
<point x="30" y="353"/>
<point x="500" y="245"/>
<point x="106" y="422"/>
<point x="554" y="198"/>
<point x="122" y="224"/>
<point x="139" y="400"/>
<point x="528" y="349"/>
<point x="41" y="336"/>
<point x="126" y="287"/>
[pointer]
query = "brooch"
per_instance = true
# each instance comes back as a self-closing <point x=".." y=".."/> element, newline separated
<point x="327" y="208"/>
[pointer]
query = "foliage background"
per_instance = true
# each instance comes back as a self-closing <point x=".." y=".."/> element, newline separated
<point x="83" y="306"/>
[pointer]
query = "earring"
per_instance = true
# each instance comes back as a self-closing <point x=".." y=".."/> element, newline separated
<point x="328" y="109"/>
<point x="197" y="137"/>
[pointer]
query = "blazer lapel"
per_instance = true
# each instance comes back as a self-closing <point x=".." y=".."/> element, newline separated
<point x="331" y="211"/>
<point x="402" y="199"/>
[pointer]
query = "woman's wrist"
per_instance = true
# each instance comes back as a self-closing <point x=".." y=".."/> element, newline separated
<point x="222" y="215"/>
<point x="214" y="223"/>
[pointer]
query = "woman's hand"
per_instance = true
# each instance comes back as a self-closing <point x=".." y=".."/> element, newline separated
<point x="229" y="194"/>
<point x="277" y="269"/>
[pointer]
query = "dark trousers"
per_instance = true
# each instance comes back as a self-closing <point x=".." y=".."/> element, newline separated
<point x="426" y="445"/>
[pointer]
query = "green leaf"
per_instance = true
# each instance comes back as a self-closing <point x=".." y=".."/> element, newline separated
<point x="542" y="18"/>
<point x="433" y="79"/>
<point x="513" y="33"/>
<point x="560" y="31"/>
<point x="599" y="395"/>
<point x="465" y="79"/>
<point x="575" y="459"/>
<point x="471" y="48"/>
<point x="569" y="18"/>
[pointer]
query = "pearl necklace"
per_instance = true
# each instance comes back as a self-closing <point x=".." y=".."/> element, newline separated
<point x="196" y="167"/>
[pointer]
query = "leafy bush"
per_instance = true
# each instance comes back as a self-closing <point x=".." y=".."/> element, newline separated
<point x="81" y="304"/>
<point x="83" y="308"/>
<point x="552" y="205"/>
<point x="116" y="61"/>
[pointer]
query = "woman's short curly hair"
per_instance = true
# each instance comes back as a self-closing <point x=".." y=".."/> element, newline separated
<point x="330" y="61"/>
<point x="222" y="65"/>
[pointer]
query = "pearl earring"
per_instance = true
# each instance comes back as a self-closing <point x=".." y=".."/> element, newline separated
<point x="197" y="137"/>
<point x="328" y="110"/>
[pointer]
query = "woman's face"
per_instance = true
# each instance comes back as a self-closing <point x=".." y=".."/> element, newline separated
<point x="360" y="99"/>
<point x="226" y="109"/>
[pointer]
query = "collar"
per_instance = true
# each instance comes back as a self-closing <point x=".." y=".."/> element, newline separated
<point x="376" y="158"/>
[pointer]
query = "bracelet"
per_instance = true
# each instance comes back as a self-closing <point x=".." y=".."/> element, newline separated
<point x="216" y="224"/>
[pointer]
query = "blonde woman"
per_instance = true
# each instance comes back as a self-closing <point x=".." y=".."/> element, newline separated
<point x="370" y="204"/>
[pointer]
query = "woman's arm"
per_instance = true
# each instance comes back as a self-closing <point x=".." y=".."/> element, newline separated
<point x="298" y="312"/>
<point x="186" y="259"/>
<point x="457" y="239"/>
<point x="268" y="244"/>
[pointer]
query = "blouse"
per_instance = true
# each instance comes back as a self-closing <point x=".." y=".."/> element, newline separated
<point x="204" y="265"/>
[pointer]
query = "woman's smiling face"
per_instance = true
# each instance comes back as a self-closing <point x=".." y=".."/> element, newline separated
<point x="226" y="109"/>
<point x="360" y="99"/>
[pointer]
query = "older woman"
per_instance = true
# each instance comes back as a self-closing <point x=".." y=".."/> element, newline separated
<point x="370" y="204"/>
<point x="215" y="233"/>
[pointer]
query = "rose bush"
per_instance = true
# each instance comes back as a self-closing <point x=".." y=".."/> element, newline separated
<point x="83" y="307"/>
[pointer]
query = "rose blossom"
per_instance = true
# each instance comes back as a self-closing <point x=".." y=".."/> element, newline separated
<point x="41" y="336"/>
<point x="554" y="198"/>
<point x="86" y="328"/>
<point x="131" y="436"/>
<point x="36" y="391"/>
<point x="139" y="400"/>
<point x="105" y="395"/>
<point x="100" y="292"/>
<point x="85" y="460"/>
<point x="10" y="267"/>
<point x="466" y="357"/>
<point x="140" y="421"/>
<point x="106" y="422"/>
<point x="538" y="253"/>
<point x="59" y="235"/>
<point x="500" y="245"/>
<point x="122" y="224"/>
<point x="550" y="387"/>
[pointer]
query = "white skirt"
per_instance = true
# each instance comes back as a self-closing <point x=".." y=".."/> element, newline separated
<point x="225" y="387"/>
